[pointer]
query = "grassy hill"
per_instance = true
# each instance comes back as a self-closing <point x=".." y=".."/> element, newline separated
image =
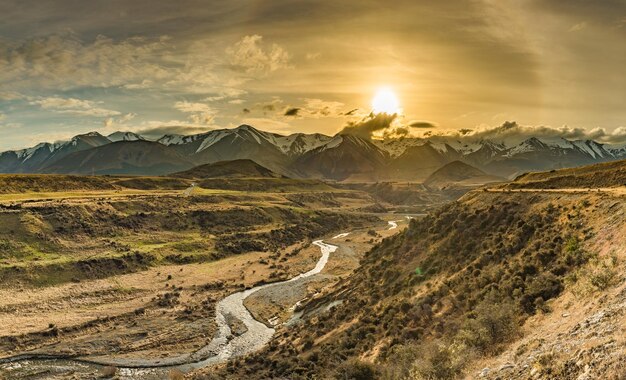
<point x="457" y="173"/>
<point x="464" y="286"/>
<point x="607" y="174"/>
<point x="228" y="169"/>
<point x="20" y="183"/>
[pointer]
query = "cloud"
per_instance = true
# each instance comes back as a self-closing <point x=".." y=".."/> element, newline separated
<point x="312" y="56"/>
<point x="422" y="125"/>
<point x="185" y="106"/>
<point x="578" y="27"/>
<point x="245" y="110"/>
<point x="128" y="117"/>
<point x="173" y="127"/>
<point x="399" y="129"/>
<point x="384" y="125"/>
<point x="315" y="109"/>
<point x="270" y="125"/>
<point x="249" y="55"/>
<point x="226" y="93"/>
<point x="2" y="116"/>
<point x="512" y="133"/>
<point x="293" y="111"/>
<point x="111" y="123"/>
<point x="367" y="126"/>
<point x="200" y="113"/>
<point x="73" y="106"/>
<point x="202" y="118"/>
<point x="10" y="95"/>
<point x="268" y="107"/>
<point x="146" y="83"/>
<point x="64" y="61"/>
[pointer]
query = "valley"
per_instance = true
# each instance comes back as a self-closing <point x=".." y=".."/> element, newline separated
<point x="193" y="274"/>
<point x="133" y="277"/>
<point x="312" y="190"/>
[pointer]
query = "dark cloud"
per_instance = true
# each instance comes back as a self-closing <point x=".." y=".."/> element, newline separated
<point x="370" y="124"/>
<point x="605" y="11"/>
<point x="422" y="125"/>
<point x="246" y="110"/>
<point x="292" y="111"/>
<point x="156" y="132"/>
<point x="351" y="112"/>
<point x="398" y="132"/>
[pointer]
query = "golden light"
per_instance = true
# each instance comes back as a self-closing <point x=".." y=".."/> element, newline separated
<point x="385" y="101"/>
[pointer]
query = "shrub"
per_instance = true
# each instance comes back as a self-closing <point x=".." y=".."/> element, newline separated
<point x="356" y="370"/>
<point x="437" y="362"/>
<point x="108" y="372"/>
<point x="492" y="325"/>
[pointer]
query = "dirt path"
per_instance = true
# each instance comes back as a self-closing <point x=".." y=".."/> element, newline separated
<point x="619" y="191"/>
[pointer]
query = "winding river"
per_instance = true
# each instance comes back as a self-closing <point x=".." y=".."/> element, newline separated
<point x="224" y="346"/>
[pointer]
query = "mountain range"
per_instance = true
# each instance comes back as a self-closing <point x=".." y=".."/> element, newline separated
<point x="342" y="157"/>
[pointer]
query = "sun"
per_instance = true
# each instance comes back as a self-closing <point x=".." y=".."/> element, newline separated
<point x="385" y="101"/>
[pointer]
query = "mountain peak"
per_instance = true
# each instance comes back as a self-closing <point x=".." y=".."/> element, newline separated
<point x="124" y="136"/>
<point x="246" y="127"/>
<point x="534" y="142"/>
<point x="91" y="134"/>
<point x="492" y="145"/>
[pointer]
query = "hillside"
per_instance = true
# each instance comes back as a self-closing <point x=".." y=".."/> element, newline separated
<point x="123" y="157"/>
<point x="471" y="291"/>
<point x="22" y="183"/>
<point x="592" y="176"/>
<point x="242" y="168"/>
<point x="457" y="173"/>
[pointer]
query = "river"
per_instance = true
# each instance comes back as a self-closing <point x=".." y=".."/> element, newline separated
<point x="222" y="347"/>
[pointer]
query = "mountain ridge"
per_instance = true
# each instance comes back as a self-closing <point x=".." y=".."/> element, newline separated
<point x="330" y="157"/>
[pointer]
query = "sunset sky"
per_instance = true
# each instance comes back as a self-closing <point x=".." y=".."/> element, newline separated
<point x="155" y="67"/>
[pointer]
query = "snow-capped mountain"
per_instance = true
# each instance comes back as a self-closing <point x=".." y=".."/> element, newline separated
<point x="293" y="144"/>
<point x="271" y="150"/>
<point x="33" y="160"/>
<point x="124" y="136"/>
<point x="178" y="139"/>
<point x="344" y="157"/>
<point x="338" y="157"/>
<point x="617" y="152"/>
<point x="496" y="157"/>
<point x="444" y="144"/>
